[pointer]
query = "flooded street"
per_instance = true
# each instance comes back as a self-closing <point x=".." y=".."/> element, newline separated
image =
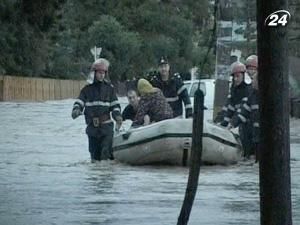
<point x="47" y="178"/>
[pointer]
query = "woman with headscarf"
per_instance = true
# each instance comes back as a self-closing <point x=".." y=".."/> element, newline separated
<point x="153" y="106"/>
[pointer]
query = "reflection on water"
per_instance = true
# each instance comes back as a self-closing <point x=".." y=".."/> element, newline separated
<point x="46" y="178"/>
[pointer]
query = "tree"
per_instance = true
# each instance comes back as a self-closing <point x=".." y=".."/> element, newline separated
<point x="54" y="37"/>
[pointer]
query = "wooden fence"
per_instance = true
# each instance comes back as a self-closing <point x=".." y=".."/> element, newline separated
<point x="14" y="88"/>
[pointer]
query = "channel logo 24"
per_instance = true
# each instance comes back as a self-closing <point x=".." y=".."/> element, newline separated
<point x="278" y="18"/>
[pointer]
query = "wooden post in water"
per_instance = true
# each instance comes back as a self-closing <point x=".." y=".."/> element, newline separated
<point x="195" y="159"/>
<point x="274" y="165"/>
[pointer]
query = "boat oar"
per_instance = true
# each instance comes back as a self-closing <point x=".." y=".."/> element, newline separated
<point x="195" y="159"/>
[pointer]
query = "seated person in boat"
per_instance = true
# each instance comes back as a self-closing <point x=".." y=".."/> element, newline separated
<point x="153" y="106"/>
<point x="130" y="110"/>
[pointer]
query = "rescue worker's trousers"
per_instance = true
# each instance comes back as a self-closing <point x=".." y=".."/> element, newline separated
<point x="100" y="146"/>
<point x="245" y="131"/>
<point x="256" y="150"/>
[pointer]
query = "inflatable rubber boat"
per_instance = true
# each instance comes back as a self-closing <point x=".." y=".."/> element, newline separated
<point x="169" y="142"/>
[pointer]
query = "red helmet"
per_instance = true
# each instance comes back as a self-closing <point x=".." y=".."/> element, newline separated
<point x="251" y="61"/>
<point x="98" y="64"/>
<point x="95" y="66"/>
<point x="238" y="67"/>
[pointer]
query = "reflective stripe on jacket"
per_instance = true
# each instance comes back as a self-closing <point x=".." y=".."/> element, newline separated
<point x="234" y="100"/>
<point x="97" y="100"/>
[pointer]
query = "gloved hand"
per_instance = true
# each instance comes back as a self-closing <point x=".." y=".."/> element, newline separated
<point x="224" y="123"/>
<point x="119" y="121"/>
<point x="189" y="113"/>
<point x="146" y="120"/>
<point x="75" y="113"/>
<point x="229" y="127"/>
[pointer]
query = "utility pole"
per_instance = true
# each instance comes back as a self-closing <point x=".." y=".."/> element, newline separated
<point x="274" y="165"/>
<point x="222" y="59"/>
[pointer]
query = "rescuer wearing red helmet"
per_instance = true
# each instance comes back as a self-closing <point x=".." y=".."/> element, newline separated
<point x="250" y="112"/>
<point x="97" y="101"/>
<point x="251" y="65"/>
<point x="239" y="92"/>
